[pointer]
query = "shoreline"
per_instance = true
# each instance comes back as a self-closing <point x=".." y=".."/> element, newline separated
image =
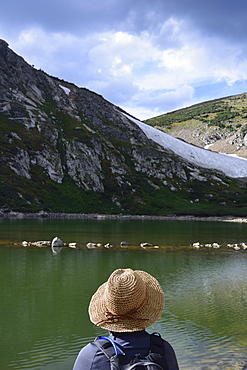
<point x="95" y="216"/>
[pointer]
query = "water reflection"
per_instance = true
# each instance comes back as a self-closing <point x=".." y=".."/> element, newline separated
<point x="207" y="308"/>
<point x="163" y="233"/>
<point x="44" y="320"/>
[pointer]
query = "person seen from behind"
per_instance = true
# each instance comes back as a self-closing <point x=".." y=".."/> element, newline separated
<point x="128" y="303"/>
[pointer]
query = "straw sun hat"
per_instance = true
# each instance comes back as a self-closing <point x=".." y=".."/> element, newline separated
<point x="129" y="301"/>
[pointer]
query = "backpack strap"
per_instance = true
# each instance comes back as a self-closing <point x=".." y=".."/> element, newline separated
<point x="157" y="347"/>
<point x="118" y="358"/>
<point x="157" y="344"/>
<point x="108" y="346"/>
<point x="114" y="354"/>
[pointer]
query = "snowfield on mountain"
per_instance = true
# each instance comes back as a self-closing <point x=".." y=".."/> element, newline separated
<point x="231" y="166"/>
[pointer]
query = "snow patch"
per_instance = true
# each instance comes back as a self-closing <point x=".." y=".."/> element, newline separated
<point x="65" y="89"/>
<point x="232" y="166"/>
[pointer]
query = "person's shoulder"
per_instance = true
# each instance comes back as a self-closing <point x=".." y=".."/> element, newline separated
<point x="167" y="344"/>
<point x="86" y="357"/>
<point x="89" y="350"/>
<point x="170" y="355"/>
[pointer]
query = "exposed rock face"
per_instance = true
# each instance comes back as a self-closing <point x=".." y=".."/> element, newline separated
<point x="213" y="138"/>
<point x="218" y="125"/>
<point x="56" y="135"/>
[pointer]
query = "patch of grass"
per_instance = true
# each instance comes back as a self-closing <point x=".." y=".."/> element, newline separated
<point x="183" y="115"/>
<point x="219" y="113"/>
<point x="135" y="194"/>
<point x="41" y="193"/>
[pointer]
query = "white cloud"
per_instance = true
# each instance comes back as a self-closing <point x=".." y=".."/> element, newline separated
<point x="147" y="72"/>
<point x="147" y="104"/>
<point x="43" y="49"/>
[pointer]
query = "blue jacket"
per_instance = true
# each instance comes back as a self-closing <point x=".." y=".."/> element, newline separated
<point x="92" y="358"/>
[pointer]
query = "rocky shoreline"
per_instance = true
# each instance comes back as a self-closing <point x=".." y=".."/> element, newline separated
<point x="93" y="216"/>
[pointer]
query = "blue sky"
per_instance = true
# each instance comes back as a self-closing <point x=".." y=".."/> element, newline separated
<point x="147" y="56"/>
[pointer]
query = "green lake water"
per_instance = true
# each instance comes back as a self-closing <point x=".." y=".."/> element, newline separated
<point x="44" y="297"/>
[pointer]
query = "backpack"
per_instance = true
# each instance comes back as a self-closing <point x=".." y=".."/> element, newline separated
<point x="155" y="360"/>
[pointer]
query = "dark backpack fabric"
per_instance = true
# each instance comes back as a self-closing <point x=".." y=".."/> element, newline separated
<point x="155" y="360"/>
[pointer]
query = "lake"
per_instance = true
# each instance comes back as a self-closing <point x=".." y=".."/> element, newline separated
<point x="44" y="297"/>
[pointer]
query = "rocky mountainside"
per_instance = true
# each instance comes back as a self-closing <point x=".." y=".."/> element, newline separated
<point x="67" y="149"/>
<point x="219" y="125"/>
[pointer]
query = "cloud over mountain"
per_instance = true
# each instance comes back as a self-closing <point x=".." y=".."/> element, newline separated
<point x="148" y="57"/>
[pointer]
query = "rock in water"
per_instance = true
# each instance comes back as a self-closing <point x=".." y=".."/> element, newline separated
<point x="56" y="245"/>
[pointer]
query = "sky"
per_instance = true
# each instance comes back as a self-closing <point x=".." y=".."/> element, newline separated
<point x="147" y="56"/>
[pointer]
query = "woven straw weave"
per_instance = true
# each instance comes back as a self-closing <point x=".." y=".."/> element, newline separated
<point x="128" y="301"/>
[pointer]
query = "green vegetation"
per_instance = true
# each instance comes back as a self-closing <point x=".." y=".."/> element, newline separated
<point x="134" y="192"/>
<point x="149" y="196"/>
<point x="221" y="119"/>
<point x="53" y="146"/>
<point x="199" y="111"/>
<point x="137" y="194"/>
<point x="222" y="113"/>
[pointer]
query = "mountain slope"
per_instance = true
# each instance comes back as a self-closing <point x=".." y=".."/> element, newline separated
<point x="231" y="166"/>
<point x="67" y="149"/>
<point x="218" y="125"/>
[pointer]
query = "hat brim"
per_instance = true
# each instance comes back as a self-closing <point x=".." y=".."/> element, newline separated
<point x="145" y="316"/>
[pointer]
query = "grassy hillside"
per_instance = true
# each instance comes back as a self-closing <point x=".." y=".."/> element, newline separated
<point x="67" y="149"/>
<point x="215" y="196"/>
<point x="218" y="124"/>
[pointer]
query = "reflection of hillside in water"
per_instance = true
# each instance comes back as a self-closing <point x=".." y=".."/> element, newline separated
<point x="46" y="298"/>
<point x="206" y="309"/>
